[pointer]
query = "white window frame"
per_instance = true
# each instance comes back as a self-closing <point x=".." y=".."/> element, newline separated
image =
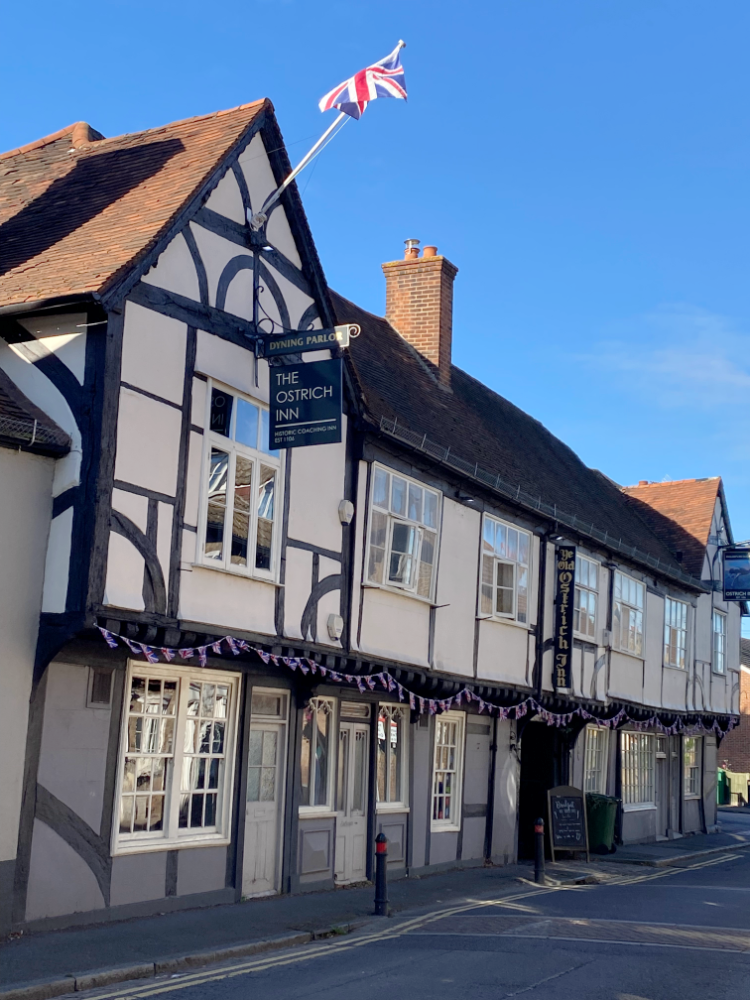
<point x="328" y="807"/>
<point x="454" y="822"/>
<point x="631" y="607"/>
<point x="401" y="804"/>
<point x="394" y="519"/>
<point x="692" y="766"/>
<point x="718" y="642"/>
<point x="591" y="594"/>
<point x="638" y="782"/>
<point x="172" y="835"/>
<point x="673" y="629"/>
<point x="596" y="759"/>
<point x="498" y="560"/>
<point x="215" y="441"/>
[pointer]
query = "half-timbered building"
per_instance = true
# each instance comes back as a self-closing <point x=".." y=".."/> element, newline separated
<point x="251" y="660"/>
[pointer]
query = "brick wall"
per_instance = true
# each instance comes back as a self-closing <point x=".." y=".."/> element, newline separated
<point x="419" y="304"/>
<point x="734" y="751"/>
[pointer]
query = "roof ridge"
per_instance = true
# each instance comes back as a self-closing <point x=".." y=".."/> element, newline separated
<point x="671" y="482"/>
<point x="184" y="121"/>
<point x="44" y="141"/>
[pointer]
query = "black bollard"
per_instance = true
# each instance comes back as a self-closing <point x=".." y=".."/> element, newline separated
<point x="381" y="882"/>
<point x="539" y="851"/>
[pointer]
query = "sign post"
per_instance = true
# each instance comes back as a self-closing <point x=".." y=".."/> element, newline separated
<point x="568" y="828"/>
<point x="736" y="573"/>
<point x="565" y="573"/>
<point x="305" y="404"/>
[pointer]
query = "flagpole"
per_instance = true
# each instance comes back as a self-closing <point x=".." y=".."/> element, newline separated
<point x="261" y="217"/>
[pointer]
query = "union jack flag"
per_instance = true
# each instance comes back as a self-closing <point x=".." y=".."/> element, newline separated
<point x="382" y="79"/>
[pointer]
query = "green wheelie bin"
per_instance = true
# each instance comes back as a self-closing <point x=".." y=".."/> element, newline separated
<point x="601" y="814"/>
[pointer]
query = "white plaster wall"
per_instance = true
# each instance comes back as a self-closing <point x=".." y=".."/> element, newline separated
<point x="298" y="579"/>
<point x="507" y="772"/>
<point x="175" y="270"/>
<point x="625" y="676"/>
<point x="164" y="538"/>
<point x="458" y="574"/>
<point x="73" y="754"/>
<point x="125" y="567"/>
<point x="60" y="882"/>
<point x="502" y="652"/>
<point x="133" y="506"/>
<point x="25" y="510"/>
<point x="198" y="403"/>
<point x="57" y="563"/>
<point x="232" y="365"/>
<point x="317" y="487"/>
<point x="148" y="439"/>
<point x="655" y="649"/>
<point x="63" y="336"/>
<point x="675" y="688"/>
<point x="153" y="352"/>
<point x="43" y="394"/>
<point x="704" y="628"/>
<point x="360" y="525"/>
<point x="330" y="603"/>
<point x="226" y="199"/>
<point x="395" y="626"/>
<point x="227" y="599"/>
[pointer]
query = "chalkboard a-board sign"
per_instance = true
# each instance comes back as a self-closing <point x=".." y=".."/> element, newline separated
<point x="568" y="830"/>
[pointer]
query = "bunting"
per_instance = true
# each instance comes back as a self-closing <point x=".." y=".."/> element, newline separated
<point x="433" y="706"/>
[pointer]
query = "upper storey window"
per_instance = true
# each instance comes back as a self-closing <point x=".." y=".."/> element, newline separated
<point x="242" y="481"/>
<point x="584" y="612"/>
<point x="506" y="558"/>
<point x="627" y="622"/>
<point x="403" y="533"/>
<point x="675" y="632"/>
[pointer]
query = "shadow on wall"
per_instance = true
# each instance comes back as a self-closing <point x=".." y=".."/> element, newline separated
<point x="96" y="182"/>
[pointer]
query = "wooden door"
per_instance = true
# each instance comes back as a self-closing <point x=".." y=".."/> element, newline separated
<point x="264" y="807"/>
<point x="351" y="821"/>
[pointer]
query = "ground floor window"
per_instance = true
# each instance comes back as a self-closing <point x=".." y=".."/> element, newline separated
<point x="393" y="727"/>
<point x="637" y="768"/>
<point x="316" y="765"/>
<point x="447" y="770"/>
<point x="691" y="758"/>
<point x="175" y="771"/>
<point x="596" y="759"/>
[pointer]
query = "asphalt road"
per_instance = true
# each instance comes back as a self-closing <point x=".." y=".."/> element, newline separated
<point x="641" y="934"/>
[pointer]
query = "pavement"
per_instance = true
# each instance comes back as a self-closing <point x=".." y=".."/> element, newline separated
<point x="39" y="966"/>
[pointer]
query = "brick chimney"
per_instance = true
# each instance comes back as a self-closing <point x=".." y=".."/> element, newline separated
<point x="419" y="303"/>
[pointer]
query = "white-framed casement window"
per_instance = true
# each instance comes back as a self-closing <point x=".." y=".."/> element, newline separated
<point x="241" y="487"/>
<point x="587" y="588"/>
<point x="627" y="620"/>
<point x="447" y="771"/>
<point x="597" y="742"/>
<point x="393" y="731"/>
<point x="638" y="754"/>
<point x="675" y="632"/>
<point x="692" y="747"/>
<point x="176" y="758"/>
<point x="719" y="625"/>
<point x="505" y="571"/>
<point x="317" y="763"/>
<point x="404" y="521"/>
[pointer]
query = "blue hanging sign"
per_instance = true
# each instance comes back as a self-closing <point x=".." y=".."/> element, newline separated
<point x="737" y="574"/>
<point x="306" y="404"/>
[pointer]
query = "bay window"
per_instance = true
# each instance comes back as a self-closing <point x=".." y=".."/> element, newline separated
<point x="175" y="768"/>
<point x="241" y="487"/>
<point x="403" y="533"/>
<point x="504" y="583"/>
<point x="627" y="620"/>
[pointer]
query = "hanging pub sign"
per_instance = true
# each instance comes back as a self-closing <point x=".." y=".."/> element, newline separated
<point x="737" y="574"/>
<point x="306" y="404"/>
<point x="565" y="574"/>
<point x="300" y="341"/>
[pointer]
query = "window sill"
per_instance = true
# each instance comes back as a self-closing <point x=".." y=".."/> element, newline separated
<point x="448" y="828"/>
<point x="316" y="812"/>
<point x="235" y="572"/>
<point x="391" y="807"/>
<point x="505" y="621"/>
<point x="692" y="797"/>
<point x="368" y="585"/>
<point x="639" y="807"/>
<point x="718" y="673"/>
<point x="175" y="844"/>
<point x="579" y="637"/>
<point x="673" y="666"/>
<point x="626" y="652"/>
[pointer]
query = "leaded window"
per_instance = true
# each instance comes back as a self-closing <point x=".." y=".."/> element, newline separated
<point x="316" y="761"/>
<point x="393" y="727"/>
<point x="241" y="486"/>
<point x="447" y="768"/>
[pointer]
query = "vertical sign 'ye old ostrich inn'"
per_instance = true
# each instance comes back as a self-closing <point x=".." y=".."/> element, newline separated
<point x="565" y="570"/>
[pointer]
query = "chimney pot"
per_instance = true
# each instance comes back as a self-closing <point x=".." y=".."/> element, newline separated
<point x="412" y="249"/>
<point x="429" y="252"/>
<point x="643" y="482"/>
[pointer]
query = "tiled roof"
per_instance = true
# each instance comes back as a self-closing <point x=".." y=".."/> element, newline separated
<point x="25" y="426"/>
<point x="681" y="512"/>
<point x="745" y="652"/>
<point x="77" y="209"/>
<point x="397" y="383"/>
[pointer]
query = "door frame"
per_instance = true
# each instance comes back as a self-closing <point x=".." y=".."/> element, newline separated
<point x="352" y="725"/>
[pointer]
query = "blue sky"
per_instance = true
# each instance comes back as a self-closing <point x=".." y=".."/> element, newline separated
<point x="585" y="165"/>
